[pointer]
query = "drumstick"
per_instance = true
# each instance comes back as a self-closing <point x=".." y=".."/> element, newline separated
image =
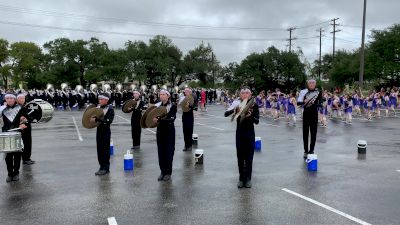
<point x="15" y="129"/>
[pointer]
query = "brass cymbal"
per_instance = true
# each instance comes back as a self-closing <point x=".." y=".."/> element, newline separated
<point x="188" y="99"/>
<point x="131" y="103"/>
<point x="159" y="111"/>
<point x="143" y="119"/>
<point x="89" y="113"/>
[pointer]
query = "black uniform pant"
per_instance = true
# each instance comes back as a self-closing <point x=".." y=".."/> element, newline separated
<point x="245" y="141"/>
<point x="187" y="124"/>
<point x="27" y="140"/>
<point x="166" y="147"/>
<point x="103" y="136"/>
<point x="13" y="161"/>
<point x="310" y="125"/>
<point x="136" y="132"/>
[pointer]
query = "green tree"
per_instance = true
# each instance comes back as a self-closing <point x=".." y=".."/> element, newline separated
<point x="5" y="69"/>
<point x="26" y="58"/>
<point x="383" y="55"/>
<point x="201" y="63"/>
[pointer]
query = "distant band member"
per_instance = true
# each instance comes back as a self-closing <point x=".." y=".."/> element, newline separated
<point x="245" y="136"/>
<point x="188" y="120"/>
<point x="13" y="117"/>
<point x="311" y="99"/>
<point x="26" y="135"/>
<point x="103" y="134"/>
<point x="135" y="120"/>
<point x="166" y="136"/>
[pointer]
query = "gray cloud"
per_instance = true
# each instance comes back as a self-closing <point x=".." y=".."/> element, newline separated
<point x="279" y="14"/>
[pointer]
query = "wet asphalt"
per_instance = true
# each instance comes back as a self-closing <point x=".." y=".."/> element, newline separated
<point x="61" y="187"/>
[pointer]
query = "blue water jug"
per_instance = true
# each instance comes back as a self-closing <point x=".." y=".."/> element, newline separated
<point x="312" y="162"/>
<point x="111" y="147"/>
<point x="128" y="161"/>
<point x="257" y="146"/>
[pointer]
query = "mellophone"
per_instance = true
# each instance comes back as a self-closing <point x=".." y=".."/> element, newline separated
<point x="39" y="111"/>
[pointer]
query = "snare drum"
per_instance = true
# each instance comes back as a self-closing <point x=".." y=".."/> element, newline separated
<point x="40" y="111"/>
<point x="10" y="142"/>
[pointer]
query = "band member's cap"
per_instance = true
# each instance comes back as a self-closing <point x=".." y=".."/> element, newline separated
<point x="22" y="95"/>
<point x="10" y="95"/>
<point x="136" y="92"/>
<point x="163" y="91"/>
<point x="245" y="89"/>
<point x="104" y="96"/>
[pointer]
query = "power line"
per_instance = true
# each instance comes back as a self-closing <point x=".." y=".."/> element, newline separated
<point x="148" y="23"/>
<point x="137" y="34"/>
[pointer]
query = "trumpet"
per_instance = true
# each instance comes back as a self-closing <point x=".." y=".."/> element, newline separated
<point x="143" y="88"/>
<point x="118" y="87"/>
<point x="106" y="87"/>
<point x="64" y="86"/>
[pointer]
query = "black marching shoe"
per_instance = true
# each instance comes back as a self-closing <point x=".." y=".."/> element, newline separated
<point x="29" y="162"/>
<point x="305" y="155"/>
<point x="8" y="179"/>
<point x="101" y="172"/>
<point x="248" y="184"/>
<point x="161" y="177"/>
<point x="240" y="184"/>
<point x="167" y="177"/>
<point x="15" y="178"/>
<point x="185" y="149"/>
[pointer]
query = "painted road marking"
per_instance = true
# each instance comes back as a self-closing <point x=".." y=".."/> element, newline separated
<point x="326" y="207"/>
<point x="201" y="124"/>
<point x="111" y="221"/>
<point x="77" y="129"/>
<point x="130" y="121"/>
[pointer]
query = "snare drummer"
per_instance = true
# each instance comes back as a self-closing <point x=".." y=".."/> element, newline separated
<point x="26" y="135"/>
<point x="13" y="117"/>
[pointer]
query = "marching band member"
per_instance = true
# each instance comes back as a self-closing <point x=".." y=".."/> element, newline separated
<point x="166" y="136"/>
<point x="103" y="134"/>
<point x="135" y="120"/>
<point x="188" y="120"/>
<point x="245" y="136"/>
<point x="13" y="117"/>
<point x="311" y="99"/>
<point x="26" y="134"/>
<point x="291" y="111"/>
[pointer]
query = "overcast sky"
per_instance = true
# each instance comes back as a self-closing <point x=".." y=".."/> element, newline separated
<point x="223" y="23"/>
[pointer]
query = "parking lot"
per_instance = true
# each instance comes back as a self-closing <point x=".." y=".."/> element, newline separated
<point x="348" y="188"/>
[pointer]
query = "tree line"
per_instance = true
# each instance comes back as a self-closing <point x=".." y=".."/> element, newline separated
<point x="160" y="61"/>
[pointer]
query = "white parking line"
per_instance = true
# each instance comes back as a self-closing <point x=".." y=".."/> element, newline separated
<point x="206" y="125"/>
<point x="206" y="114"/>
<point x="272" y="125"/>
<point x="398" y="171"/>
<point x="326" y="207"/>
<point x="123" y="118"/>
<point x="148" y="129"/>
<point x="77" y="129"/>
<point x="130" y="121"/>
<point x="210" y="126"/>
<point x="111" y="221"/>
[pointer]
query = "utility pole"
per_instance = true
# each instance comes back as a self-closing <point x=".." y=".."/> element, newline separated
<point x="320" y="53"/>
<point x="213" y="70"/>
<point x="362" y="51"/>
<point x="334" y="24"/>
<point x="291" y="29"/>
